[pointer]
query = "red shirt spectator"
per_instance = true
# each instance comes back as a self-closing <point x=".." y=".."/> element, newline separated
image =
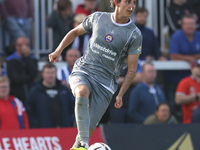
<point x="188" y="92"/>
<point x="12" y="111"/>
<point x="186" y="87"/>
<point x="87" y="8"/>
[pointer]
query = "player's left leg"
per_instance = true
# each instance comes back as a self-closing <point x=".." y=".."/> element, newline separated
<point x="99" y="101"/>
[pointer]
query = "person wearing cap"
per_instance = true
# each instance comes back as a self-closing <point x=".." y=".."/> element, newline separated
<point x="188" y="92"/>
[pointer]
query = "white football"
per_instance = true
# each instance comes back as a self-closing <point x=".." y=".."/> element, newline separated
<point x="99" y="146"/>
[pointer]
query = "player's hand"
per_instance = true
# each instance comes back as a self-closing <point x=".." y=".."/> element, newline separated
<point x="54" y="56"/>
<point x="118" y="103"/>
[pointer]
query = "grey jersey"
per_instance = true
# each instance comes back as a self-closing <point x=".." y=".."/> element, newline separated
<point x="108" y="48"/>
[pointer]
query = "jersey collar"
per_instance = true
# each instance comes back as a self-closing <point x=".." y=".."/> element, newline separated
<point x="118" y="24"/>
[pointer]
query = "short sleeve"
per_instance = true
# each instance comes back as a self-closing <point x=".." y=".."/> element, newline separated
<point x="90" y="21"/>
<point x="136" y="44"/>
<point x="183" y="87"/>
<point x="87" y="23"/>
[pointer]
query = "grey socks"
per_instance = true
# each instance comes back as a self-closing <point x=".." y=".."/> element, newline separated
<point x="82" y="119"/>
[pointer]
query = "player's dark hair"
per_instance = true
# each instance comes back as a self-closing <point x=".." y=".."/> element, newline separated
<point x="112" y="4"/>
<point x="63" y="4"/>
<point x="141" y="10"/>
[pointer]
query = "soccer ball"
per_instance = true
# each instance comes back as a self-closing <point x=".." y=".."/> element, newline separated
<point x="99" y="146"/>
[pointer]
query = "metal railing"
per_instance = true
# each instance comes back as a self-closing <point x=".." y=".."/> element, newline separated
<point x="42" y="37"/>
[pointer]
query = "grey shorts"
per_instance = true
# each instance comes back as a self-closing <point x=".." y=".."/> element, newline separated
<point x="99" y="97"/>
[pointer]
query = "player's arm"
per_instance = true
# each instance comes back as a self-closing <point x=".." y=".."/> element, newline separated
<point x="130" y="75"/>
<point x="68" y="39"/>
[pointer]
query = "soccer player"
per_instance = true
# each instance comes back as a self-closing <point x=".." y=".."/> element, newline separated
<point x="115" y="42"/>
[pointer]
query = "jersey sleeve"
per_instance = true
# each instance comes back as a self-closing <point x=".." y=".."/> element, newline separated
<point x="136" y="44"/>
<point x="89" y="21"/>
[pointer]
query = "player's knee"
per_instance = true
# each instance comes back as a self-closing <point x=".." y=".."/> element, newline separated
<point x="82" y="91"/>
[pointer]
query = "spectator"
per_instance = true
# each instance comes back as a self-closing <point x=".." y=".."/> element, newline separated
<point x="184" y="45"/>
<point x="121" y="115"/>
<point x="12" y="111"/>
<point x="196" y="115"/>
<point x="145" y="96"/>
<point x="61" y="21"/>
<point x="162" y="115"/>
<point x="22" y="68"/>
<point x="150" y="46"/>
<point x="188" y="92"/>
<point x="49" y="103"/>
<point x="81" y="41"/>
<point x="175" y="12"/>
<point x="17" y="17"/>
<point x="104" y="6"/>
<point x="87" y="8"/>
<point x="63" y="72"/>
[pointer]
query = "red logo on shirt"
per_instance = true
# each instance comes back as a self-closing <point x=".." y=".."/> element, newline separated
<point x="109" y="38"/>
<point x="76" y="81"/>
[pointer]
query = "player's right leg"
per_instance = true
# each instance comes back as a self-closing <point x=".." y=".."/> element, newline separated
<point x="80" y="87"/>
<point x="82" y="114"/>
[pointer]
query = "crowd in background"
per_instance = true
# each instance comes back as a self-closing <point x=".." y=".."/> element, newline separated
<point x="33" y="98"/>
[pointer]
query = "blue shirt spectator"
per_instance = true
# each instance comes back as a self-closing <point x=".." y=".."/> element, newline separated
<point x="184" y="45"/>
<point x="121" y="115"/>
<point x="150" y="45"/>
<point x="179" y="43"/>
<point x="143" y="101"/>
<point x="146" y="96"/>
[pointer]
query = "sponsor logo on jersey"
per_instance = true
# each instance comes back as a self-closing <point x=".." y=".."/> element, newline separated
<point x="77" y="80"/>
<point x="109" y="38"/>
